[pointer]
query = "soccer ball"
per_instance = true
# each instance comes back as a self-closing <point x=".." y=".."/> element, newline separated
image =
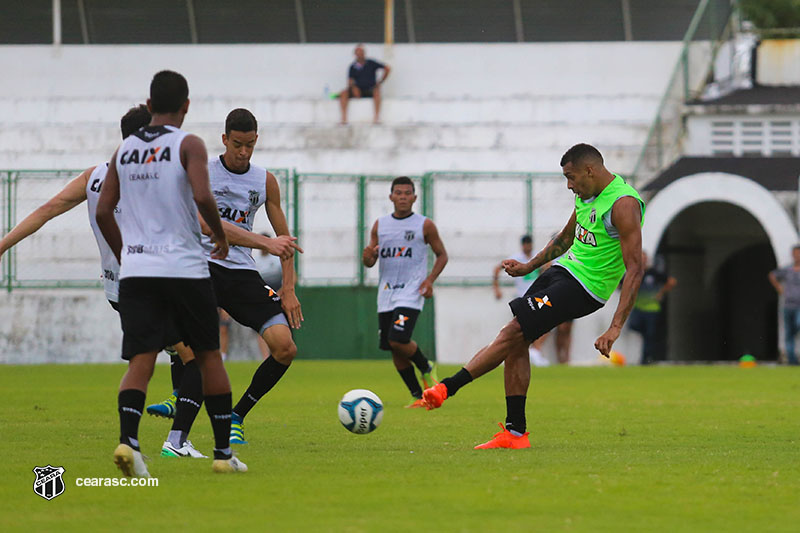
<point x="360" y="411"/>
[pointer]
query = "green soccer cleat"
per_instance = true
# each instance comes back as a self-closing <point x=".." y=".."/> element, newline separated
<point x="237" y="430"/>
<point x="429" y="379"/>
<point x="165" y="409"/>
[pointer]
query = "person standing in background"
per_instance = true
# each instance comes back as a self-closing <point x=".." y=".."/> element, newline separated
<point x="646" y="314"/>
<point x="787" y="283"/>
<point x="521" y="285"/>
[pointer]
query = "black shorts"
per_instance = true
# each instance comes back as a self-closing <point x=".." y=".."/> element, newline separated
<point x="554" y="298"/>
<point x="245" y="296"/>
<point x="397" y="326"/>
<point x="366" y="92"/>
<point x="160" y="312"/>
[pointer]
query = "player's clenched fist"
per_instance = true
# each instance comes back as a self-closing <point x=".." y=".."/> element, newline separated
<point x="515" y="268"/>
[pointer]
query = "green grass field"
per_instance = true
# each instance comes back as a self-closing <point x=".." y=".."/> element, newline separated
<point x="614" y="449"/>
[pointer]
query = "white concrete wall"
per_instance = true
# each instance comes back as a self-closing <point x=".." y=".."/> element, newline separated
<point x="448" y="106"/>
<point x="58" y="326"/>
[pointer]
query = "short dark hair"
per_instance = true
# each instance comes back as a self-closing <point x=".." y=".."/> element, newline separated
<point x="136" y="118"/>
<point x="579" y="152"/>
<point x="168" y="92"/>
<point x="402" y="180"/>
<point x="526" y="239"/>
<point x="240" y="120"/>
<point x="796" y="247"/>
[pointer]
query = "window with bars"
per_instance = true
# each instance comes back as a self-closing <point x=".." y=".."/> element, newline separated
<point x="756" y="137"/>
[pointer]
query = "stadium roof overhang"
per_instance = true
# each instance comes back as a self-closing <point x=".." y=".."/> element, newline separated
<point x="772" y="173"/>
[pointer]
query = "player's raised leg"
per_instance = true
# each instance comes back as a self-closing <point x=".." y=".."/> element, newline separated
<point x="509" y="341"/>
<point x="283" y="350"/>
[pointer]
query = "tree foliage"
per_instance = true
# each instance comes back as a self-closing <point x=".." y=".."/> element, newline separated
<point x="771" y="14"/>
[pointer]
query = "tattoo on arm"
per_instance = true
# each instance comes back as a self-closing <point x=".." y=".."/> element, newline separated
<point x="555" y="248"/>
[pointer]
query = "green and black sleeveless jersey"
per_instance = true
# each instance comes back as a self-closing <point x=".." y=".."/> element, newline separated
<point x="595" y="257"/>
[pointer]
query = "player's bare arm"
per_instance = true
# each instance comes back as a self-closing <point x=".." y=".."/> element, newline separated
<point x="70" y="196"/>
<point x="433" y="240"/>
<point x="496" y="282"/>
<point x="108" y="200"/>
<point x="370" y="254"/>
<point x="554" y="249"/>
<point x="289" y="301"/>
<point x="282" y="246"/>
<point x="194" y="158"/>
<point x="626" y="216"/>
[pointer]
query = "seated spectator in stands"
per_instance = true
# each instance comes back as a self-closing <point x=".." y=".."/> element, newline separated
<point x="362" y="82"/>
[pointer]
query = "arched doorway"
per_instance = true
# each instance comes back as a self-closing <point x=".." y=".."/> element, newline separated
<point x="723" y="306"/>
<point x="719" y="235"/>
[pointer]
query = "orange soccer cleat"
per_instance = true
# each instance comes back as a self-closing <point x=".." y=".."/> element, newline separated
<point x="505" y="439"/>
<point x="418" y="402"/>
<point x="435" y="396"/>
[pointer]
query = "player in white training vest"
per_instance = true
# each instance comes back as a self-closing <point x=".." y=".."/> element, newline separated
<point x="240" y="189"/>
<point x="87" y="186"/>
<point x="159" y="179"/>
<point x="400" y="242"/>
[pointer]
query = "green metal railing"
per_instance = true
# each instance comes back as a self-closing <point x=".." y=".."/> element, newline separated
<point x="689" y="75"/>
<point x="315" y="219"/>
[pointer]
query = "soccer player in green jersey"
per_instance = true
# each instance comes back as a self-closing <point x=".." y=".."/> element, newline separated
<point x="601" y="241"/>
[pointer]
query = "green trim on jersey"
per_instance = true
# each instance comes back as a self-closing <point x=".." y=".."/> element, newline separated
<point x="595" y="257"/>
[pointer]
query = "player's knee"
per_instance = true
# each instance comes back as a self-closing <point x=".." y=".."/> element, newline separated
<point x="512" y="329"/>
<point x="285" y="352"/>
<point x="512" y="332"/>
<point x="397" y="345"/>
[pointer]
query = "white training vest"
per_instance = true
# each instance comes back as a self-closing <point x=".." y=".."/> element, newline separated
<point x="403" y="262"/>
<point x="160" y="229"/>
<point x="239" y="197"/>
<point x="108" y="261"/>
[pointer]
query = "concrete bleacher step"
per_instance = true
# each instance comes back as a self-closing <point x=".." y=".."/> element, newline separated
<point x="523" y="109"/>
<point x="356" y="147"/>
<point x="517" y="133"/>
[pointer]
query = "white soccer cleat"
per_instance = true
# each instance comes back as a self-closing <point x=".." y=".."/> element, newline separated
<point x="187" y="450"/>
<point x="227" y="466"/>
<point x="130" y="461"/>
